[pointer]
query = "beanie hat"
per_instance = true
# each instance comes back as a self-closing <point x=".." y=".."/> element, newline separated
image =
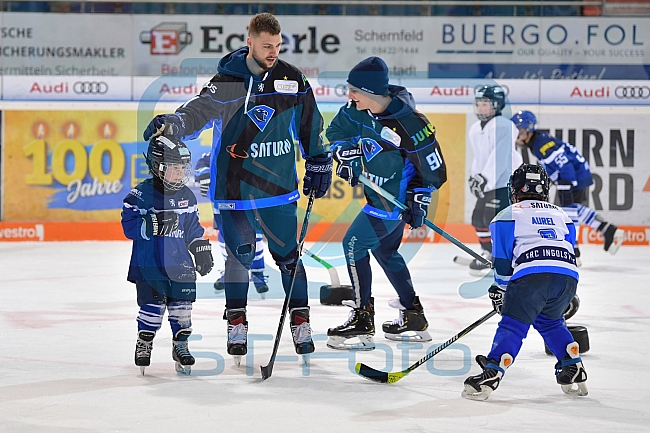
<point x="370" y="75"/>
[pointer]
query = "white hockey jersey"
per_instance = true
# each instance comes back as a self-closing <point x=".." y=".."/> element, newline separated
<point x="532" y="237"/>
<point x="495" y="154"/>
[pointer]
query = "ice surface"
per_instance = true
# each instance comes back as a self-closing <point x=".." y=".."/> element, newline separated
<point x="68" y="337"/>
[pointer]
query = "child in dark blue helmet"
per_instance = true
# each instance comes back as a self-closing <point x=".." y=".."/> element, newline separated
<point x="161" y="216"/>
<point x="535" y="279"/>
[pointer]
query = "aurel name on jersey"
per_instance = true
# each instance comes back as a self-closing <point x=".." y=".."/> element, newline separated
<point x="543" y="221"/>
<point x="271" y="148"/>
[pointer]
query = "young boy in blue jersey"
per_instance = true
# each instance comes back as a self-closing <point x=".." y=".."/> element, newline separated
<point x="380" y="132"/>
<point x="161" y="216"/>
<point x="535" y="280"/>
<point x="570" y="172"/>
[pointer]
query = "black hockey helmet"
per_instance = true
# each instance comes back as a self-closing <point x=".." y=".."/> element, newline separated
<point x="496" y="95"/>
<point x="166" y="154"/>
<point x="530" y="182"/>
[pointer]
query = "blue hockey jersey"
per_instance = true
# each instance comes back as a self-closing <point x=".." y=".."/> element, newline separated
<point x="161" y="257"/>
<point x="532" y="237"/>
<point x="561" y="160"/>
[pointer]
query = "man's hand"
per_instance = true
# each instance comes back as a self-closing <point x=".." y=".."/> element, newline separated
<point x="418" y="201"/>
<point x="318" y="175"/>
<point x="165" y="124"/>
<point x="349" y="164"/>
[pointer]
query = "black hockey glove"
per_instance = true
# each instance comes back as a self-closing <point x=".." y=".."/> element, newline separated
<point x="167" y="124"/>
<point x="204" y="183"/>
<point x="477" y="185"/>
<point x="565" y="193"/>
<point x="161" y="223"/>
<point x="202" y="251"/>
<point x="318" y="175"/>
<point x="418" y="201"/>
<point x="496" y="296"/>
<point x="349" y="164"/>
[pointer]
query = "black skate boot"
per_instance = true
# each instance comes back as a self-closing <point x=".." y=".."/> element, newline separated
<point x="477" y="268"/>
<point x="181" y="353"/>
<point x="219" y="286"/>
<point x="360" y="324"/>
<point x="301" y="332"/>
<point x="143" y="347"/>
<point x="480" y="387"/>
<point x="614" y="237"/>
<point x="408" y="321"/>
<point x="570" y="373"/>
<point x="237" y="333"/>
<point x="259" y="281"/>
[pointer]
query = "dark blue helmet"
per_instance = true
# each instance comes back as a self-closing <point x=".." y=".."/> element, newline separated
<point x="524" y="120"/>
<point x="495" y="94"/>
<point x="168" y="153"/>
<point x="530" y="182"/>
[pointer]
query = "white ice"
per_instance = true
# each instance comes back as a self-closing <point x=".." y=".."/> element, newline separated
<point x="68" y="336"/>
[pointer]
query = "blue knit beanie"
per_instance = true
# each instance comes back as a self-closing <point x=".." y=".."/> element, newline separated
<point x="370" y="75"/>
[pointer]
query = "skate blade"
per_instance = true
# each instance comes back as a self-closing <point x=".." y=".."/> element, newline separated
<point x="580" y="389"/>
<point x="142" y="370"/>
<point x="236" y="360"/>
<point x="463" y="261"/>
<point x="419" y="337"/>
<point x="619" y="237"/>
<point x="470" y="393"/>
<point x="340" y="343"/>
<point x="183" y="370"/>
<point x="305" y="360"/>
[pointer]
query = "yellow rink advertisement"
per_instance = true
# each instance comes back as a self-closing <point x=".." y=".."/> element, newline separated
<point x="78" y="166"/>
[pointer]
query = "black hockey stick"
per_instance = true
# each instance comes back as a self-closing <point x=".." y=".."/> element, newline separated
<point x="384" y="377"/>
<point x="267" y="370"/>
<point x="391" y="198"/>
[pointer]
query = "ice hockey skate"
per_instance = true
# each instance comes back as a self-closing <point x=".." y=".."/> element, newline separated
<point x="181" y="353"/>
<point x="477" y="268"/>
<point x="219" y="285"/>
<point x="143" y="347"/>
<point x="614" y="237"/>
<point x="301" y="332"/>
<point x="259" y="281"/>
<point x="360" y="324"/>
<point x="237" y="333"/>
<point x="410" y="325"/>
<point x="480" y="387"/>
<point x="570" y="373"/>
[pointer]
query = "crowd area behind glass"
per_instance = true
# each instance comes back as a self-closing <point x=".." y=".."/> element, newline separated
<point x="294" y="9"/>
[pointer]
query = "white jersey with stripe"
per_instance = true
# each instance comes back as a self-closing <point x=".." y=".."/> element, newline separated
<point x="532" y="237"/>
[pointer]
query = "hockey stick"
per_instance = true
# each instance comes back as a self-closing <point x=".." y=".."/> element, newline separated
<point x="334" y="276"/>
<point x="391" y="198"/>
<point x="267" y="370"/>
<point x="384" y="377"/>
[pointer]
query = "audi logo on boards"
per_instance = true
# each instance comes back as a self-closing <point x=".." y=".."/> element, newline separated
<point x="90" y="87"/>
<point x="632" y="92"/>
